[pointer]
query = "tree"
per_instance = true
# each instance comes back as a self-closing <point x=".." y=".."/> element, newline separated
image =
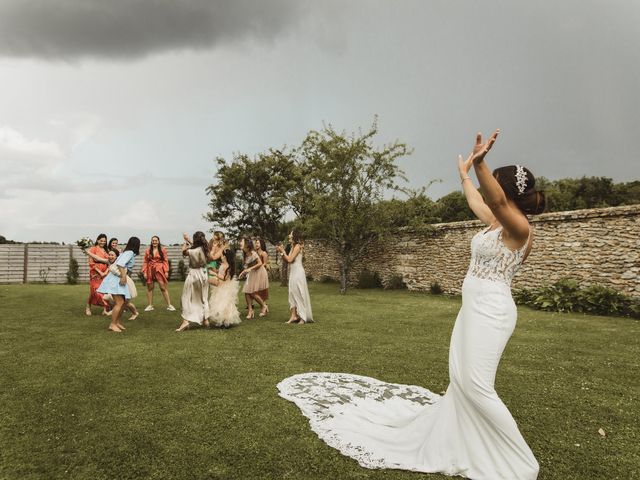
<point x="341" y="182"/>
<point x="252" y="195"/>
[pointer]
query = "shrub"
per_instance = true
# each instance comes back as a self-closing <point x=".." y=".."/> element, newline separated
<point x="326" y="279"/>
<point x="73" y="273"/>
<point x="567" y="296"/>
<point x="170" y="272"/>
<point x="44" y="274"/>
<point x="143" y="280"/>
<point x="435" y="288"/>
<point x="368" y="279"/>
<point x="395" y="282"/>
<point x="182" y="270"/>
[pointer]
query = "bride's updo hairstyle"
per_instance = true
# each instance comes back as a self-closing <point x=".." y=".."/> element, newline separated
<point x="519" y="184"/>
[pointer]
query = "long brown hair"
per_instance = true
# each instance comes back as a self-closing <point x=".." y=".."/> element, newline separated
<point x="200" y="241"/>
<point x="159" y="248"/>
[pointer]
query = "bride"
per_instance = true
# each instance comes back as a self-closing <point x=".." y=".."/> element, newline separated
<point x="468" y="431"/>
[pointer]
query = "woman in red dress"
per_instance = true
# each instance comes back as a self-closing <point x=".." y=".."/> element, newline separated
<point x="155" y="268"/>
<point x="98" y="269"/>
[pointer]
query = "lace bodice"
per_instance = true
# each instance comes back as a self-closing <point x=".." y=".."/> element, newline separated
<point x="492" y="260"/>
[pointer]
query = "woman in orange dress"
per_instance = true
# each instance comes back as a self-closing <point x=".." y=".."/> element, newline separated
<point x="98" y="269"/>
<point x="155" y="269"/>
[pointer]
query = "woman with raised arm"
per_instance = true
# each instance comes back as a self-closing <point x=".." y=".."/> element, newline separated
<point x="195" y="293"/>
<point x="468" y="431"/>
<point x="299" y="300"/>
<point x="252" y="286"/>
<point x="155" y="269"/>
<point x="262" y="274"/>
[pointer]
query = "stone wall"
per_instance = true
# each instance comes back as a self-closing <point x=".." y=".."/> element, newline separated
<point x="593" y="246"/>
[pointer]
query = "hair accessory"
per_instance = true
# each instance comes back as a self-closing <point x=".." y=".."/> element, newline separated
<point x="521" y="179"/>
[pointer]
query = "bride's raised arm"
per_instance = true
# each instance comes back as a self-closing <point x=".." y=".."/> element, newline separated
<point x="474" y="199"/>
<point x="513" y="221"/>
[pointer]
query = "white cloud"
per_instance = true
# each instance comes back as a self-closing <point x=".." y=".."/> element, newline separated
<point x="18" y="151"/>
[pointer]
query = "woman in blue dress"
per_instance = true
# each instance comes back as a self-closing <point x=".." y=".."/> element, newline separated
<point x="117" y="285"/>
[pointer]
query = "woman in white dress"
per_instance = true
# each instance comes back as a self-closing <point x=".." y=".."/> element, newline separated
<point x="223" y="301"/>
<point x="468" y="431"/>
<point x="195" y="293"/>
<point x="299" y="300"/>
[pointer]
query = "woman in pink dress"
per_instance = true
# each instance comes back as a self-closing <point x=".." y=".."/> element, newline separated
<point x="98" y="269"/>
<point x="253" y="283"/>
<point x="155" y="268"/>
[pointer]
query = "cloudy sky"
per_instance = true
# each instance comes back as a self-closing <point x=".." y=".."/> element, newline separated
<point x="111" y="113"/>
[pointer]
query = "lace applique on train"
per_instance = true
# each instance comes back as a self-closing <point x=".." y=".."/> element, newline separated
<point x="492" y="260"/>
<point x="323" y="396"/>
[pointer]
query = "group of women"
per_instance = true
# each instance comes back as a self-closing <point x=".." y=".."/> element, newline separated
<point x="210" y="293"/>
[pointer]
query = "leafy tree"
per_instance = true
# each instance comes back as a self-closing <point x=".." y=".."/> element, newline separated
<point x="587" y="192"/>
<point x="453" y="207"/>
<point x="342" y="180"/>
<point x="252" y="195"/>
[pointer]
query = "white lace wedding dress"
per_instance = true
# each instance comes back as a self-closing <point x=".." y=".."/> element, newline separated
<point x="468" y="431"/>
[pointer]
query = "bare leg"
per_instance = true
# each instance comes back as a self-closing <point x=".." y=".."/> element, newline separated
<point x="165" y="293"/>
<point x="134" y="311"/>
<point x="150" y="294"/>
<point x="247" y="297"/>
<point x="258" y="299"/>
<point x="116" y="312"/>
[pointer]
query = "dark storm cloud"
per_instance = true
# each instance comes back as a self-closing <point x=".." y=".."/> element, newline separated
<point x="72" y="29"/>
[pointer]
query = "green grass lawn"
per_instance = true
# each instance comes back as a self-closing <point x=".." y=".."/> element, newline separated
<point x="79" y="402"/>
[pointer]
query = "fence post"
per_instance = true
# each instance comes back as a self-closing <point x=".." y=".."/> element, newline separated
<point x="26" y="263"/>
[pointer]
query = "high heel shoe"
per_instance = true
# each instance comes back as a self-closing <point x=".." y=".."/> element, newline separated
<point x="250" y="315"/>
<point x="264" y="313"/>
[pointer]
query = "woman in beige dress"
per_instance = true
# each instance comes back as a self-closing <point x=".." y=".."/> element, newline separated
<point x="195" y="294"/>
<point x="254" y="282"/>
<point x="262" y="273"/>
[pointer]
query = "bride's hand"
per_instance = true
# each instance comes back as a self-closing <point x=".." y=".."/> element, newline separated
<point x="480" y="149"/>
<point x="464" y="166"/>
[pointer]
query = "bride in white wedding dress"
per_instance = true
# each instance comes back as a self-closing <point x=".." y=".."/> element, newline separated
<point x="468" y="431"/>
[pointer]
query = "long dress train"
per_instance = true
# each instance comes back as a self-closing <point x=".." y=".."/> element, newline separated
<point x="468" y="431"/>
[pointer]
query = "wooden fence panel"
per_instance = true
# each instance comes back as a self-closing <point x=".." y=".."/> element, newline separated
<point x="11" y="263"/>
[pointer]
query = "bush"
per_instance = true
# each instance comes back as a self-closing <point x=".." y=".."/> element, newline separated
<point x="435" y="288"/>
<point x="73" y="273"/>
<point x="326" y="279"/>
<point x="170" y="272"/>
<point x="368" y="279"/>
<point x="44" y="274"/>
<point x="567" y="296"/>
<point x="395" y="282"/>
<point x="182" y="270"/>
<point x="143" y="280"/>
